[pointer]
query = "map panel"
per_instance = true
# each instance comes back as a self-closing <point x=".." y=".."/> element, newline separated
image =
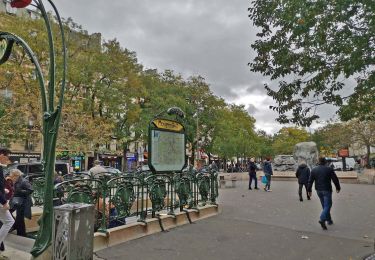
<point x="167" y="150"/>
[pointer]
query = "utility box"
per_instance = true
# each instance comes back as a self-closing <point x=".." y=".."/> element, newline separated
<point x="73" y="232"/>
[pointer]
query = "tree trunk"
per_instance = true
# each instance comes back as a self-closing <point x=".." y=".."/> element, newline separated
<point x="368" y="152"/>
<point x="343" y="164"/>
<point x="225" y="164"/>
<point x="124" y="159"/>
<point x="193" y="154"/>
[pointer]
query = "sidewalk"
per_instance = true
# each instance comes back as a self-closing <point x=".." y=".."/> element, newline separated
<point x="266" y="225"/>
<point x="285" y="175"/>
<point x="15" y="254"/>
<point x="18" y="248"/>
<point x="256" y="225"/>
<point x="367" y="177"/>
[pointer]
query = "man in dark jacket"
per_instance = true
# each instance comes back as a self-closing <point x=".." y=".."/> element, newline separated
<point x="322" y="175"/>
<point x="253" y="174"/>
<point x="303" y="175"/>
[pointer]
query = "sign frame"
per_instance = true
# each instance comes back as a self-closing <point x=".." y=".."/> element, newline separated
<point x="344" y="152"/>
<point x="165" y="125"/>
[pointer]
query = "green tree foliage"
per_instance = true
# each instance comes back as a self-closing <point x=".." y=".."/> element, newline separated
<point x="313" y="48"/>
<point x="265" y="148"/>
<point x="362" y="135"/>
<point x="204" y="106"/>
<point x="109" y="96"/>
<point x="193" y="96"/>
<point x="357" y="134"/>
<point x="331" y="138"/>
<point x="19" y="93"/>
<point x="234" y="134"/>
<point x="287" y="138"/>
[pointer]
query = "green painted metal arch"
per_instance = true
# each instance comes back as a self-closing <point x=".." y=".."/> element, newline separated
<point x="12" y="39"/>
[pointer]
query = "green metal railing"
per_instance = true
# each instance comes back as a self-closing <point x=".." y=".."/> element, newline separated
<point x="134" y="196"/>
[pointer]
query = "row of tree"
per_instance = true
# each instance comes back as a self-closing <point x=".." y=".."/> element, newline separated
<point x="111" y="96"/>
<point x="330" y="138"/>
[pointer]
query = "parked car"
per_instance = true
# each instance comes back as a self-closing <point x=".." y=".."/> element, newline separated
<point x="143" y="168"/>
<point x="35" y="169"/>
<point x="338" y="165"/>
<point x="112" y="170"/>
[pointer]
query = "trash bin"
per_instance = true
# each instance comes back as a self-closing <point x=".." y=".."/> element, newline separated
<point x="73" y="232"/>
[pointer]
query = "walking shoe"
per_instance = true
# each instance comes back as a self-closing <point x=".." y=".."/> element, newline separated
<point x="300" y="199"/>
<point x="323" y="224"/>
<point x="250" y="188"/>
<point x="330" y="222"/>
<point x="256" y="188"/>
<point x="269" y="190"/>
<point x="264" y="189"/>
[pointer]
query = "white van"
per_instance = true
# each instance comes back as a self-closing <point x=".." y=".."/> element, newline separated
<point x="350" y="164"/>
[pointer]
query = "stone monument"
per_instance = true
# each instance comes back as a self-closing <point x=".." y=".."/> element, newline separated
<point x="307" y="151"/>
<point x="284" y="163"/>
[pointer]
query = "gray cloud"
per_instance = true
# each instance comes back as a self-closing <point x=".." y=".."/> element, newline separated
<point x="207" y="38"/>
<point x="251" y="109"/>
<point x="210" y="38"/>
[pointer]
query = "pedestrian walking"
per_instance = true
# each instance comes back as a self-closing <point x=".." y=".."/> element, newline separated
<point x="98" y="170"/>
<point x="303" y="175"/>
<point x="5" y="216"/>
<point x="323" y="175"/>
<point x="268" y="172"/>
<point x="253" y="174"/>
<point x="21" y="201"/>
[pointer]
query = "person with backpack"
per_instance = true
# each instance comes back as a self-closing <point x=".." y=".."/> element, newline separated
<point x="268" y="172"/>
<point x="303" y="175"/>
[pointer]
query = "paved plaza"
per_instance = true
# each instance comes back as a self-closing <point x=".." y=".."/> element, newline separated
<point x="266" y="225"/>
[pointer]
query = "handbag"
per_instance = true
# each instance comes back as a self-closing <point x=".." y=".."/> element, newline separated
<point x="264" y="179"/>
<point x="16" y="202"/>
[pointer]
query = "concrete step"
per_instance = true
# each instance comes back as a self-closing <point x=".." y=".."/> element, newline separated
<point x="18" y="248"/>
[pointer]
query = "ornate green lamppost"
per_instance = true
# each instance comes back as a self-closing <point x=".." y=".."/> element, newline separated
<point x="51" y="112"/>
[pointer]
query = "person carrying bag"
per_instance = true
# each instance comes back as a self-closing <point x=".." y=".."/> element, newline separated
<point x="21" y="201"/>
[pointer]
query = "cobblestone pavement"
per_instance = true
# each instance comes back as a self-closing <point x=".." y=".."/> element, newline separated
<point x="267" y="225"/>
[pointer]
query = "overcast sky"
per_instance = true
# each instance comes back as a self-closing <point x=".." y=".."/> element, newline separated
<point x="210" y="38"/>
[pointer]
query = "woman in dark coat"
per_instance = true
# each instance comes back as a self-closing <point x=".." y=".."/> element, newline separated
<point x="268" y="172"/>
<point x="21" y="201"/>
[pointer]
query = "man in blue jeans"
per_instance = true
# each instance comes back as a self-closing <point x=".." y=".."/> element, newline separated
<point x="322" y="175"/>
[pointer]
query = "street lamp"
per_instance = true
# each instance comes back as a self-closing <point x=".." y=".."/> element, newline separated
<point x="30" y="125"/>
<point x="196" y="115"/>
<point x="51" y="114"/>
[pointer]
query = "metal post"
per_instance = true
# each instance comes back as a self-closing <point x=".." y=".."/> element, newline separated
<point x="197" y="152"/>
<point x="51" y="114"/>
<point x="73" y="231"/>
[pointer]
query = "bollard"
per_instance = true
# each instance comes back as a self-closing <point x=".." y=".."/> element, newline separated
<point x="73" y="232"/>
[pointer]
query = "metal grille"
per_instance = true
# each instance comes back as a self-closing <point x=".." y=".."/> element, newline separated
<point x="73" y="232"/>
<point x="370" y="257"/>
